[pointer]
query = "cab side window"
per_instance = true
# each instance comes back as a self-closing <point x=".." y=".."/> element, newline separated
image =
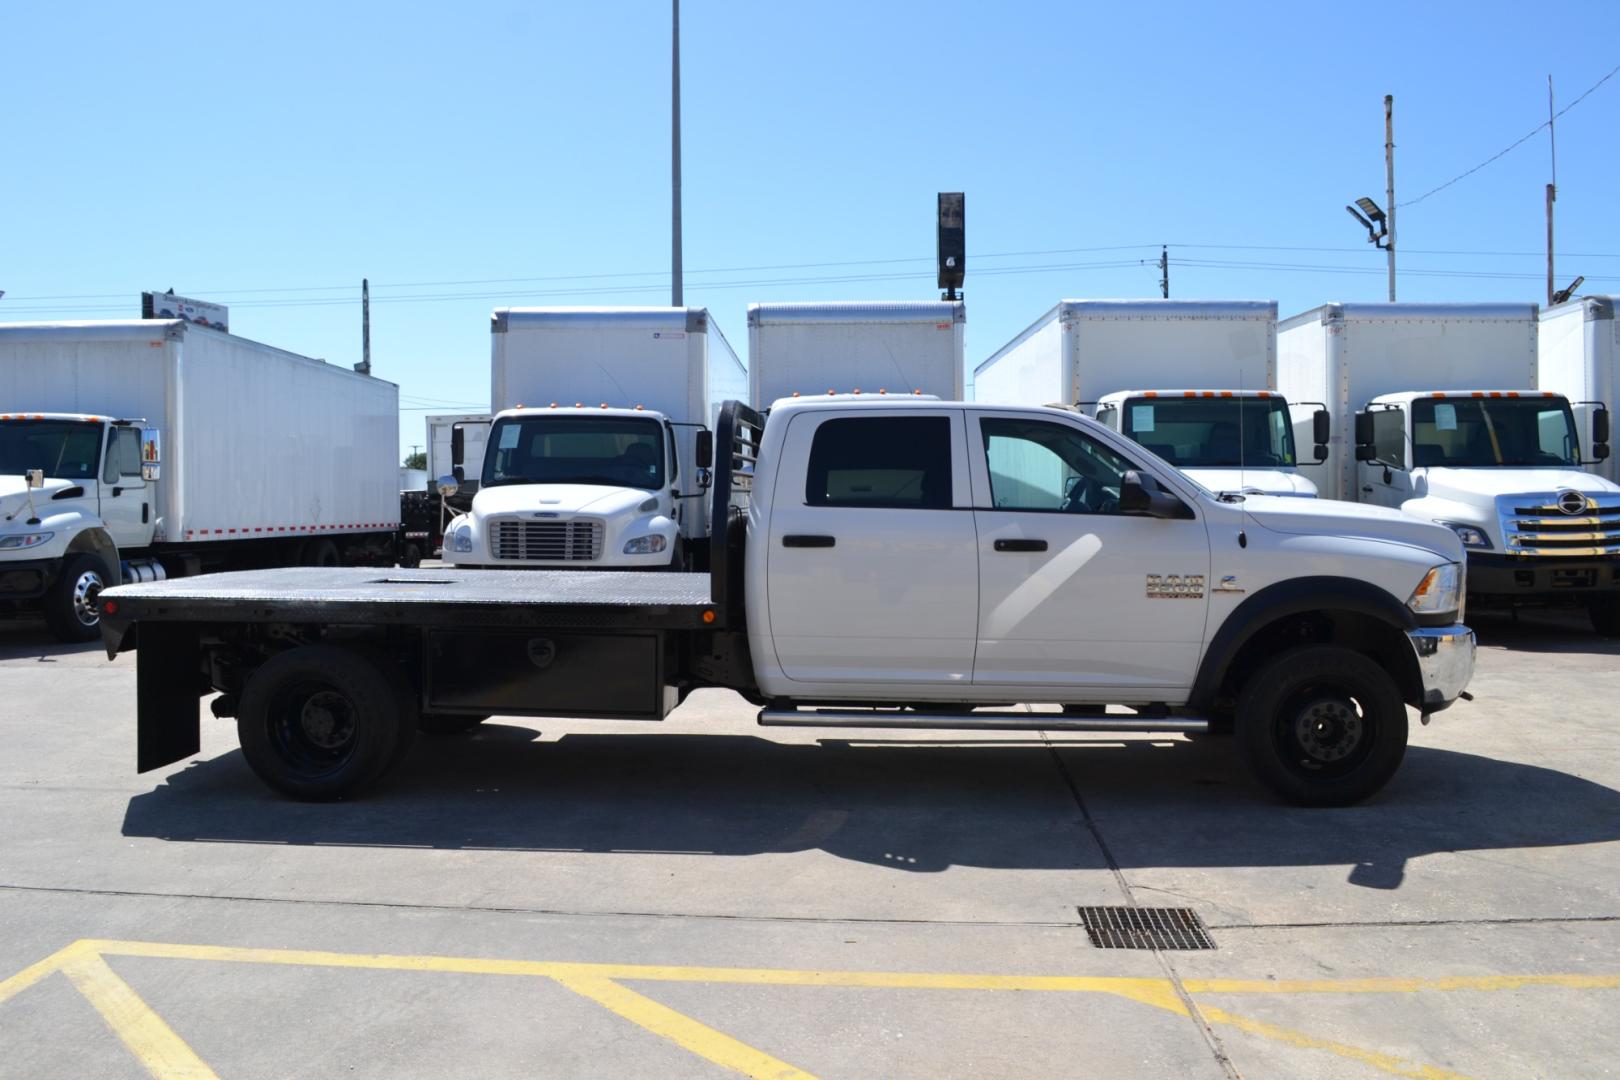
<point x="1038" y="465"/>
<point x="881" y="461"/>
<point x="1389" y="436"/>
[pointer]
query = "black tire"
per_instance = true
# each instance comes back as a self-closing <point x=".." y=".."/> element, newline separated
<point x="322" y="552"/>
<point x="448" y="723"/>
<point x="1605" y="615"/>
<point x="1322" y="725"/>
<point x="410" y="556"/>
<point x="321" y="722"/>
<point x="72" y="605"/>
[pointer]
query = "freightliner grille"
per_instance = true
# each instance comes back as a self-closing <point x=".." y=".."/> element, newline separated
<point x="1537" y="525"/>
<point x="551" y="541"/>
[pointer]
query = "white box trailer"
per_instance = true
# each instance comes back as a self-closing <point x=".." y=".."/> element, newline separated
<point x="1349" y="354"/>
<point x="1195" y="381"/>
<point x="166" y="448"/>
<point x="574" y="390"/>
<point x="897" y="347"/>
<point x="1579" y="342"/>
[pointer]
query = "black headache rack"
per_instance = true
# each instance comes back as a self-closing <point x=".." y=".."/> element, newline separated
<point x="736" y="452"/>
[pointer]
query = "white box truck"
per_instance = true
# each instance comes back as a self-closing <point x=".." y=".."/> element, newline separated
<point x="1579" y="343"/>
<point x="593" y="460"/>
<point x="1194" y="381"/>
<point x="1449" y="426"/>
<point x="141" y="449"/>
<point x="904" y="347"/>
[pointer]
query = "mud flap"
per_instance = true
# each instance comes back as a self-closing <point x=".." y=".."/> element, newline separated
<point x="167" y="690"/>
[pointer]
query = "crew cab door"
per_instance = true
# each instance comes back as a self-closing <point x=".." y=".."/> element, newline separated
<point x="126" y="499"/>
<point x="1073" y="592"/>
<point x="872" y="566"/>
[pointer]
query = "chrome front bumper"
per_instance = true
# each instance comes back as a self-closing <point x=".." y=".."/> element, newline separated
<point x="1445" y="656"/>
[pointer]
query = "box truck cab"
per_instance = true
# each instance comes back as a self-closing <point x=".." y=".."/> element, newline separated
<point x="1193" y="380"/>
<point x="593" y="459"/>
<point x="1227" y="440"/>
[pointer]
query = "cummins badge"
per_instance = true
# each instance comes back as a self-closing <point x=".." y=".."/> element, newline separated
<point x="1175" y="586"/>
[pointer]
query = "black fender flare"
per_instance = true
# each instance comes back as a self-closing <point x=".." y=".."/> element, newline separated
<point x="1295" y="596"/>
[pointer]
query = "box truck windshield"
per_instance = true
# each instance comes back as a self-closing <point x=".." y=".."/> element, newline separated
<point x="1470" y="431"/>
<point x="1212" y="432"/>
<point x="64" y="449"/>
<point x="605" y="450"/>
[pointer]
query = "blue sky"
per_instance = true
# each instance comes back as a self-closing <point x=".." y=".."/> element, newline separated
<point x="480" y="155"/>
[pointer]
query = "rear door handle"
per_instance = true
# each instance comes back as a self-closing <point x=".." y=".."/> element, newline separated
<point x="804" y="540"/>
<point x="1020" y="545"/>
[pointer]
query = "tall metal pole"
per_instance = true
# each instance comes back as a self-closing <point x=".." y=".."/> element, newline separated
<point x="1552" y="191"/>
<point x="1164" y="271"/>
<point x="365" y="325"/>
<point x="675" y="162"/>
<point x="1389" y="194"/>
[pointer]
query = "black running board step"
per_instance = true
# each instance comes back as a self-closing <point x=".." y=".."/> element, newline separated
<point x="977" y="721"/>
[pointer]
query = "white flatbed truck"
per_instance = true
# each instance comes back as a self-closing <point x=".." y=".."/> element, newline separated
<point x="907" y="563"/>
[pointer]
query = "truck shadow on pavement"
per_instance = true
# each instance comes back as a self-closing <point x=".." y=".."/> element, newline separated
<point x="29" y="640"/>
<point x="913" y="805"/>
<point x="1541" y="630"/>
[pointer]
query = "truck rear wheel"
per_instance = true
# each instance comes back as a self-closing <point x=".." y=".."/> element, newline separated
<point x="1322" y="725"/>
<point x="320" y="722"/>
<point x="322" y="552"/>
<point x="73" y="603"/>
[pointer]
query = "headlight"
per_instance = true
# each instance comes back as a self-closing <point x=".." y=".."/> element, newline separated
<point x="1440" y="591"/>
<point x="1471" y="536"/>
<point x="461" y="539"/>
<point x="24" y="540"/>
<point x="644" y="545"/>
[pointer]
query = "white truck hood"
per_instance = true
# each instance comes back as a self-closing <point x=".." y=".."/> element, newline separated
<point x="1260" y="481"/>
<point x="561" y="499"/>
<point x="1483" y="485"/>
<point x="14" y="496"/>
<point x="1317" y="516"/>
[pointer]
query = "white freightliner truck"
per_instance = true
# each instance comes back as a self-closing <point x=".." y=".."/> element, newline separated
<point x="1195" y="381"/>
<point x="150" y="448"/>
<point x="1578" y="348"/>
<point x="879" y="563"/>
<point x="593" y="457"/>
<point x="901" y="347"/>
<point x="1449" y="426"/>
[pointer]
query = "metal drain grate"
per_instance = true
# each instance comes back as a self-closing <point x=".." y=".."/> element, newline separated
<point x="1145" y="928"/>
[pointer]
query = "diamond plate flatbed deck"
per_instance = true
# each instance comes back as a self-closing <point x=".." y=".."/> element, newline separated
<point x="585" y="599"/>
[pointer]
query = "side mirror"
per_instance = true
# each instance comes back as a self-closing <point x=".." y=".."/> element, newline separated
<point x="35" y="478"/>
<point x="1365" y="452"/>
<point x="458" y="445"/>
<point x="1135" y="498"/>
<point x="1320" y="453"/>
<point x="460" y="474"/>
<point x="1321" y="428"/>
<point x="1600" y="428"/>
<point x="1364" y="429"/>
<point x="448" y="486"/>
<point x="1600" y="451"/>
<point x="705" y="448"/>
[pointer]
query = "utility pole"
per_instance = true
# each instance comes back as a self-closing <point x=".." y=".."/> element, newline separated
<point x="675" y="161"/>
<point x="364" y="366"/>
<point x="1389" y="195"/>
<point x="1164" y="271"/>
<point x="1552" y="191"/>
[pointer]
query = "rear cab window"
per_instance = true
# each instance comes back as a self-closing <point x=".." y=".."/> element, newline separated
<point x="897" y="462"/>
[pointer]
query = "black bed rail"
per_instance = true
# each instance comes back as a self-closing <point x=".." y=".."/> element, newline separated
<point x="736" y="449"/>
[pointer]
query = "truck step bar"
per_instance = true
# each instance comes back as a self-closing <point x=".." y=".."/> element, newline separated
<point x="976" y="721"/>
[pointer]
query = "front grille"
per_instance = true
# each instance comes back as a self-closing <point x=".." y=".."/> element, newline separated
<point x="550" y="541"/>
<point x="1537" y="525"/>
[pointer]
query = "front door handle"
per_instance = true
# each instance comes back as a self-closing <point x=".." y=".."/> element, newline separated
<point x="1020" y="545"/>
<point x="1366" y="489"/>
<point x="807" y="541"/>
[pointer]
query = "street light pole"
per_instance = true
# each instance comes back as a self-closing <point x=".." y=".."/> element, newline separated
<point x="1389" y="172"/>
<point x="675" y="161"/>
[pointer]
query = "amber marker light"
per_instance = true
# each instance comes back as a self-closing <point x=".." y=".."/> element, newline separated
<point x="708" y="616"/>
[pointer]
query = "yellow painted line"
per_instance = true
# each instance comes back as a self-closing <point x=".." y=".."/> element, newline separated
<point x="1486" y="983"/>
<point x="155" y="1045"/>
<point x="689" y="1034"/>
<point x="33" y="973"/>
<point x="1384" y="1062"/>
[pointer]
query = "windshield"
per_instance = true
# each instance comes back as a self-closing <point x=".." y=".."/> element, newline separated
<point x="1192" y="432"/>
<point x="614" y="451"/>
<point x="63" y="449"/>
<point x="1493" y="431"/>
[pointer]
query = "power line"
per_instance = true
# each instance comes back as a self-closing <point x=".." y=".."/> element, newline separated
<point x="1518" y="143"/>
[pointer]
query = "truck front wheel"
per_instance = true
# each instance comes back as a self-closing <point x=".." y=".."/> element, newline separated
<point x="1322" y="725"/>
<point x="319" y="722"/>
<point x="73" y="603"/>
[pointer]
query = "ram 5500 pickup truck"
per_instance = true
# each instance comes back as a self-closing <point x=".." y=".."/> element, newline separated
<point x="880" y="562"/>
